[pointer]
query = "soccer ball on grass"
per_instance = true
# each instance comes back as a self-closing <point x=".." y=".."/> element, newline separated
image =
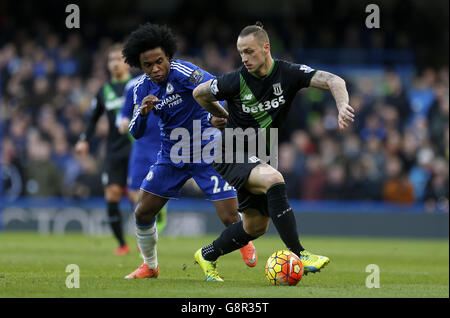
<point x="284" y="268"/>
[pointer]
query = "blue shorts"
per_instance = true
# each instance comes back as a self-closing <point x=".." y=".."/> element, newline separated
<point x="166" y="180"/>
<point x="138" y="166"/>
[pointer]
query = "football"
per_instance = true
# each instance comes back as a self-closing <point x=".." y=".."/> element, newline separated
<point x="284" y="268"/>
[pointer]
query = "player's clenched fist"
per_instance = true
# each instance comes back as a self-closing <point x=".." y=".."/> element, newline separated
<point x="148" y="103"/>
<point x="219" y="123"/>
<point x="346" y="116"/>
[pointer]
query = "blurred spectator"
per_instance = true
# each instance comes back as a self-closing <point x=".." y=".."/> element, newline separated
<point x="40" y="95"/>
<point x="409" y="150"/>
<point x="390" y="118"/>
<point x="63" y="157"/>
<point x="356" y="181"/>
<point x="87" y="183"/>
<point x="351" y="146"/>
<point x="374" y="151"/>
<point x="393" y="143"/>
<point x="421" y="95"/>
<point x="421" y="172"/>
<point x="314" y="180"/>
<point x="12" y="170"/>
<point x="18" y="128"/>
<point x="329" y="151"/>
<point x="336" y="186"/>
<point x="373" y="128"/>
<point x="302" y="142"/>
<point x="446" y="143"/>
<point x="374" y="176"/>
<point x="397" y="187"/>
<point x="396" y="95"/>
<point x="436" y="192"/>
<point x="439" y="118"/>
<point x="42" y="177"/>
<point x="66" y="64"/>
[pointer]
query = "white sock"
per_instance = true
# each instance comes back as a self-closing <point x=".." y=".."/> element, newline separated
<point x="146" y="240"/>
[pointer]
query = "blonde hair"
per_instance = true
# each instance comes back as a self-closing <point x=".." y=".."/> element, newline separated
<point x="257" y="30"/>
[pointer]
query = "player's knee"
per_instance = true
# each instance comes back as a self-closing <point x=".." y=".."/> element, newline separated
<point x="258" y="231"/>
<point x="262" y="229"/>
<point x="138" y="214"/>
<point x="272" y="178"/>
<point x="142" y="214"/>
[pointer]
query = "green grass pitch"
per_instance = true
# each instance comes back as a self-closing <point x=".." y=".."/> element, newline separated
<point x="33" y="265"/>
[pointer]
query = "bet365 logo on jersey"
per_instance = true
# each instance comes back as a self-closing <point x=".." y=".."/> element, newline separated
<point x="268" y="104"/>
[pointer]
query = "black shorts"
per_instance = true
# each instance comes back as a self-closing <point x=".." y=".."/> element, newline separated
<point x="115" y="171"/>
<point x="236" y="174"/>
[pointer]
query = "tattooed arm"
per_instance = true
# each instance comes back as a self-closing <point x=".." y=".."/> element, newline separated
<point x="203" y="95"/>
<point x="336" y="85"/>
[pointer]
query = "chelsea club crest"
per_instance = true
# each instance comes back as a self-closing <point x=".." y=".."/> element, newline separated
<point x="149" y="176"/>
<point x="169" y="89"/>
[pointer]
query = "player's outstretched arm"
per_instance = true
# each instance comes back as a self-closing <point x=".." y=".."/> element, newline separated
<point x="203" y="95"/>
<point x="336" y="85"/>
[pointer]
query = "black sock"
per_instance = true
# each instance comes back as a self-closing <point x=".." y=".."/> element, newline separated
<point x="283" y="217"/>
<point x="115" y="221"/>
<point x="232" y="238"/>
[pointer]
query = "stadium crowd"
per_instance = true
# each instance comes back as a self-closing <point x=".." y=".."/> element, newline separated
<point x="397" y="150"/>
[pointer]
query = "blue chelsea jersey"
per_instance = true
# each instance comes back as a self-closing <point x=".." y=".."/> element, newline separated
<point x="177" y="109"/>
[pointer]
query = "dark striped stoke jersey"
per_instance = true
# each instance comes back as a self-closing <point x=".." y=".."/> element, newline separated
<point x="110" y="98"/>
<point x="261" y="102"/>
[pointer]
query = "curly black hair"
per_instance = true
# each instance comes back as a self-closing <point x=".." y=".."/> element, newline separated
<point x="147" y="37"/>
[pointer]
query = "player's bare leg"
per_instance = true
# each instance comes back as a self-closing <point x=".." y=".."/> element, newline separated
<point x="148" y="207"/>
<point x="254" y="222"/>
<point x="262" y="177"/>
<point x="227" y="210"/>
<point x="161" y="217"/>
<point x="113" y="194"/>
<point x="146" y="210"/>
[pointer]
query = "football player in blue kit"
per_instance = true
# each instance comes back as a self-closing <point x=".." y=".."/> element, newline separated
<point x="144" y="151"/>
<point x="166" y="91"/>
